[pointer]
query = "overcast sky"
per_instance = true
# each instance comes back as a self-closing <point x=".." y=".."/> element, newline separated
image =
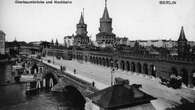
<point x="135" y="19"/>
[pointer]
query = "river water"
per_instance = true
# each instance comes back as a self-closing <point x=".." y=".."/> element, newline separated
<point x="13" y="97"/>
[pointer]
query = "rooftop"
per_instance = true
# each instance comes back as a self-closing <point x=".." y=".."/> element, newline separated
<point x="120" y="96"/>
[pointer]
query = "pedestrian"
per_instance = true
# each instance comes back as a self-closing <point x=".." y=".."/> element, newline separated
<point x="74" y="71"/>
<point x="93" y="84"/>
<point x="64" y="68"/>
<point x="61" y="68"/>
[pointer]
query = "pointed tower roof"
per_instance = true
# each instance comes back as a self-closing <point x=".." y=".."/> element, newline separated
<point x="81" y="21"/>
<point x="182" y="35"/>
<point x="105" y="15"/>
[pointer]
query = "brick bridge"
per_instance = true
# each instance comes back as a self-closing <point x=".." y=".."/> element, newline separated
<point x="84" y="87"/>
<point x="156" y="66"/>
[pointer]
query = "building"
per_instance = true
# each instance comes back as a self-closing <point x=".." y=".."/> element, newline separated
<point x="2" y="42"/>
<point x="131" y="43"/>
<point x="121" y="41"/>
<point x="191" y="43"/>
<point x="156" y="43"/>
<point x="81" y="39"/>
<point x="35" y="43"/>
<point x="170" y="44"/>
<point x="68" y="41"/>
<point x="183" y="47"/>
<point x="105" y="37"/>
<point x="121" y="97"/>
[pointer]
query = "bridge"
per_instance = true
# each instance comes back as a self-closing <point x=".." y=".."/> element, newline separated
<point x="156" y="66"/>
<point x="49" y="72"/>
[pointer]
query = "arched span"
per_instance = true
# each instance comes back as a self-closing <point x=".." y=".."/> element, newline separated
<point x="139" y="68"/>
<point x="72" y="94"/>
<point x="107" y="62"/>
<point x="48" y="78"/>
<point x="193" y="77"/>
<point x="128" y="66"/>
<point x="100" y="61"/>
<point x="133" y="67"/>
<point x="184" y="75"/>
<point x="122" y="65"/>
<point x="145" y="68"/>
<point x="153" y="70"/>
<point x="103" y="62"/>
<point x="174" y="71"/>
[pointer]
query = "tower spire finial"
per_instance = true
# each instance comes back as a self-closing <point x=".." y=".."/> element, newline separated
<point x="105" y="3"/>
<point x="182" y="35"/>
<point x="81" y="21"/>
<point x="83" y="12"/>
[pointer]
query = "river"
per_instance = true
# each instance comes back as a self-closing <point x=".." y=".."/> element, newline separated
<point x="13" y="97"/>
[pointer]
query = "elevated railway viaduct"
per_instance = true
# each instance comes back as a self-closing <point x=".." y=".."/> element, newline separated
<point x="156" y="66"/>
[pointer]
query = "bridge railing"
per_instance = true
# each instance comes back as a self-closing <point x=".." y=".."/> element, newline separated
<point x="134" y="55"/>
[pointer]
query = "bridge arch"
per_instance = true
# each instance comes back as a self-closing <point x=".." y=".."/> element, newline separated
<point x="107" y="62"/>
<point x="100" y="61"/>
<point x="184" y="75"/>
<point x="116" y="64"/>
<point x="34" y="68"/>
<point x="96" y="60"/>
<point x="75" y="97"/>
<point x="111" y="61"/>
<point x="153" y="70"/>
<point x="90" y="59"/>
<point x="86" y="58"/>
<point x="127" y="66"/>
<point x="145" y="68"/>
<point x="133" y="67"/>
<point x="104" y="61"/>
<point x="174" y="71"/>
<point x="122" y="65"/>
<point x="139" y="67"/>
<point x="50" y="79"/>
<point x="193" y="77"/>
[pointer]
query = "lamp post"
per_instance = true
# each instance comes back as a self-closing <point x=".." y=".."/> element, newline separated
<point x="53" y="57"/>
<point x="113" y="64"/>
<point x="112" y="71"/>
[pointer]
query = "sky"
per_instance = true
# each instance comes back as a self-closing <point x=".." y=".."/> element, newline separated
<point x="135" y="19"/>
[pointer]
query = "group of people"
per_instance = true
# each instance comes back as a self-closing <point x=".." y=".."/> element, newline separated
<point x="62" y="68"/>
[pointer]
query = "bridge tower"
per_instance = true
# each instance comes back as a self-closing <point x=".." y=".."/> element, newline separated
<point x="81" y="26"/>
<point x="105" y="36"/>
<point x="81" y="38"/>
<point x="183" y="48"/>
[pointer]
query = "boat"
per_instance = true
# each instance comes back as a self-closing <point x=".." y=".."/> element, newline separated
<point x="17" y="70"/>
<point x="31" y="88"/>
<point x="26" y="78"/>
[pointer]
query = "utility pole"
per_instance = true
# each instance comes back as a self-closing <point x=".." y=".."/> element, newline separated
<point x="112" y="71"/>
<point x="53" y="57"/>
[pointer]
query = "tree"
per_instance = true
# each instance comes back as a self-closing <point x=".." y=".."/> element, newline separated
<point x="56" y="44"/>
<point x="52" y="43"/>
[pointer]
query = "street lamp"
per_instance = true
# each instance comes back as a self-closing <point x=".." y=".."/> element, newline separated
<point x="113" y="64"/>
<point x="113" y="68"/>
<point x="53" y="57"/>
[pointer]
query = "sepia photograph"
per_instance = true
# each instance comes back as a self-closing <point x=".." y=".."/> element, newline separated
<point x="97" y="55"/>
